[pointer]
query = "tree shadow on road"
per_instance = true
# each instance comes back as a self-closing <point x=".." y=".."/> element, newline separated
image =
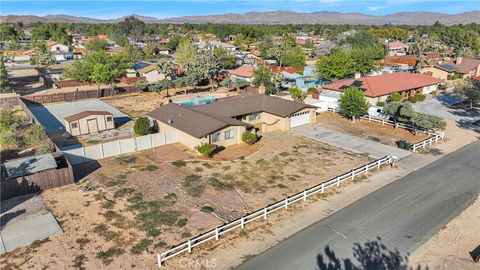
<point x="371" y="255"/>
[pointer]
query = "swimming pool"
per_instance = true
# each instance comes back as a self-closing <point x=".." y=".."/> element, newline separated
<point x="198" y="100"/>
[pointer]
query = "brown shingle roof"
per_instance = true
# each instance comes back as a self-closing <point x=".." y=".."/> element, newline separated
<point x="147" y="69"/>
<point x="80" y="115"/>
<point x="376" y="86"/>
<point x="251" y="103"/>
<point x="192" y="122"/>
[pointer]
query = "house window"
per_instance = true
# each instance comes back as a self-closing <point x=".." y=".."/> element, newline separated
<point x="229" y="134"/>
<point x="254" y="116"/>
<point x="109" y="119"/>
<point x="75" y="125"/>
<point x="216" y="137"/>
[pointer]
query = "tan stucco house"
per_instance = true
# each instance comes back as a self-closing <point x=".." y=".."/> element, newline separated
<point x="88" y="122"/>
<point x="460" y="68"/>
<point x="222" y="122"/>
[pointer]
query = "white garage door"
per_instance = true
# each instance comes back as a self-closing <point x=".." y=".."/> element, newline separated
<point x="298" y="119"/>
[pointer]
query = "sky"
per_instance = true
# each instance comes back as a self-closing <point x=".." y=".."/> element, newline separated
<point x="110" y="9"/>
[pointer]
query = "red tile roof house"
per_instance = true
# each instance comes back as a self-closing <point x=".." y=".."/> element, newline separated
<point x="243" y="72"/>
<point x="378" y="88"/>
<point x="397" y="48"/>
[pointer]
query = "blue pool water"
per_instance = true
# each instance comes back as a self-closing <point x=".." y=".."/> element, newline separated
<point x="195" y="101"/>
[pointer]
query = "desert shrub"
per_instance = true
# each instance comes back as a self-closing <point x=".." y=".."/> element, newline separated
<point x="219" y="185"/>
<point x="151" y="167"/>
<point x="79" y="262"/>
<point x="121" y="179"/>
<point x="170" y="199"/>
<point x="160" y="244"/>
<point x="179" y="163"/>
<point x="196" y="191"/>
<point x="122" y="192"/>
<point x="8" y="119"/>
<point x="198" y="169"/>
<point x="207" y="209"/>
<point x="141" y="246"/>
<point x="433" y="93"/>
<point x="82" y="242"/>
<point x="182" y="222"/>
<point x="142" y="126"/>
<point x="442" y="87"/>
<point x="9" y="139"/>
<point x="381" y="103"/>
<point x="103" y="231"/>
<point x="394" y="97"/>
<point x="249" y="137"/>
<point x="312" y="90"/>
<point x="107" y="256"/>
<point x="207" y="165"/>
<point x="416" y="98"/>
<point x="190" y="179"/>
<point x="46" y="147"/>
<point x="34" y="135"/>
<point x="206" y="149"/>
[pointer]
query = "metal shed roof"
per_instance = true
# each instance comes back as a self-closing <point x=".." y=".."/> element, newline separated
<point x="29" y="165"/>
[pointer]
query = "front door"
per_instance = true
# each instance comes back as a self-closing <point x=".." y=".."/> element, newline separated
<point x="92" y="125"/>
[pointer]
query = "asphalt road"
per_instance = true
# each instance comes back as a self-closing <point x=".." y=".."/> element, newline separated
<point x="404" y="215"/>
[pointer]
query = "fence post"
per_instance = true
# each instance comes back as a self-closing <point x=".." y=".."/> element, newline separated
<point x="424" y="144"/>
<point x="366" y="169"/>
<point x="101" y="150"/>
<point x="151" y="140"/>
<point x="430" y="142"/>
<point x="83" y="151"/>
<point x="286" y="203"/>
<point x="135" y="143"/>
<point x="265" y="213"/>
<point x="216" y="234"/>
<point x="119" y="147"/>
<point x="378" y="164"/>
<point x="353" y="174"/>
<point x="304" y="195"/>
<point x="414" y="147"/>
<point x="242" y="222"/>
<point x="338" y="181"/>
<point x="323" y="187"/>
<point x="159" y="260"/>
<point x="369" y="118"/>
<point x="189" y="246"/>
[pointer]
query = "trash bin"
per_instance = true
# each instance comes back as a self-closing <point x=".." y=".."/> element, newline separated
<point x="407" y="145"/>
<point x="401" y="144"/>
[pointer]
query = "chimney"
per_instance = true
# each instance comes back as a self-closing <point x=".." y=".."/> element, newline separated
<point x="261" y="89"/>
<point x="357" y="75"/>
<point x="459" y="60"/>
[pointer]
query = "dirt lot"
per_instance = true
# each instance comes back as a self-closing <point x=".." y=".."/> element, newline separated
<point x="450" y="247"/>
<point x="368" y="130"/>
<point x="135" y="105"/>
<point x="137" y="205"/>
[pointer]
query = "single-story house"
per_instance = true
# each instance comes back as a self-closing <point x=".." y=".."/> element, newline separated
<point x="397" y="48"/>
<point x="223" y="121"/>
<point x="147" y="70"/>
<point x="459" y="68"/>
<point x="243" y="72"/>
<point x="88" y="122"/>
<point x="305" y="81"/>
<point x="56" y="47"/>
<point x="378" y="88"/>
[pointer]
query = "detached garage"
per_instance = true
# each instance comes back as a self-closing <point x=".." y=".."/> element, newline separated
<point x="88" y="122"/>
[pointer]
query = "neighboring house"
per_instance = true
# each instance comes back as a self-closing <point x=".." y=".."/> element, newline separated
<point x="459" y="68"/>
<point x="378" y="88"/>
<point x="162" y="50"/>
<point x="322" y="102"/>
<point x="222" y="122"/>
<point x="213" y="44"/>
<point x="397" y="48"/>
<point x="147" y="70"/>
<point x="88" y="122"/>
<point x="305" y="81"/>
<point x="243" y="72"/>
<point x="56" y="47"/>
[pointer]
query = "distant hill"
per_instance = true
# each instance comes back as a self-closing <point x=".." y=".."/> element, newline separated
<point x="277" y="17"/>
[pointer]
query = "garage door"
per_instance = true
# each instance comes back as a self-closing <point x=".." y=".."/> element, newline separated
<point x="298" y="119"/>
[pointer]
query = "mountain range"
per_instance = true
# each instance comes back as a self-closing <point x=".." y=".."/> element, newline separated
<point x="276" y="17"/>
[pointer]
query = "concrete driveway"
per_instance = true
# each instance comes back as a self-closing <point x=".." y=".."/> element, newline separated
<point x="439" y="106"/>
<point x="348" y="142"/>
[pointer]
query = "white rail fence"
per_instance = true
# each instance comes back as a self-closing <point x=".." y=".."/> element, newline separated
<point x="264" y="212"/>
<point x="435" y="137"/>
<point x="84" y="154"/>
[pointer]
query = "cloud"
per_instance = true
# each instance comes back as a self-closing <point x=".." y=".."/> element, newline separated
<point x="375" y="8"/>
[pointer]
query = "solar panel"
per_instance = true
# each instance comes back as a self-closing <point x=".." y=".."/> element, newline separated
<point x="448" y="67"/>
<point x="139" y="65"/>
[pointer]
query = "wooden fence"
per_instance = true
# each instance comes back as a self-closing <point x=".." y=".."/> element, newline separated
<point x="264" y="212"/>
<point x="79" y="95"/>
<point x="12" y="187"/>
